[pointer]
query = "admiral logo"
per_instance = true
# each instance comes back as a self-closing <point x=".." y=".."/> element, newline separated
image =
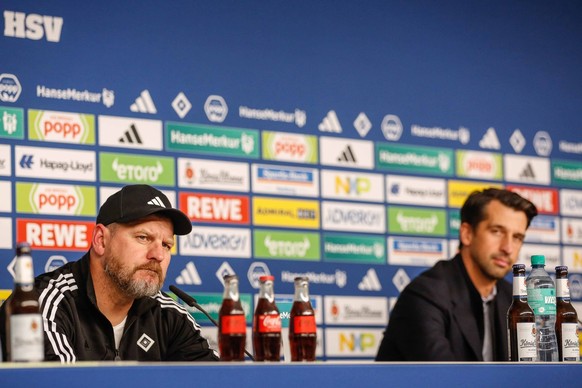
<point x="215" y="208"/>
<point x="213" y="175"/>
<point x="286" y="213"/>
<point x="362" y="124"/>
<point x="482" y="165"/>
<point x="416" y="191"/>
<point x="298" y="117"/>
<point x="42" y="198"/>
<point x="545" y="200"/>
<point x="415" y="251"/>
<point x="527" y="169"/>
<point x="339" y="278"/>
<point x="9" y="87"/>
<point x="130" y="133"/>
<point x="289" y="147"/>
<point x="352" y="342"/>
<point x="391" y="127"/>
<point x="55" y="163"/>
<point x="217" y="242"/>
<point x="350" y="310"/>
<point x="32" y="26"/>
<point x="352" y="186"/>
<point x="353" y="218"/>
<point x="215" y="108"/>
<point x="571" y="202"/>
<point x="344" y="152"/>
<point x="285" y="180"/>
<point x="460" y="190"/>
<point x="55" y="234"/>
<point x="61" y="127"/>
<point x="463" y="135"/>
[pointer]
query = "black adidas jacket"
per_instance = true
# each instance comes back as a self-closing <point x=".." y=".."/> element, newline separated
<point x="157" y="328"/>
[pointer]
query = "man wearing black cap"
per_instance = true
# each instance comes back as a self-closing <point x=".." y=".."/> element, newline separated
<point x="108" y="305"/>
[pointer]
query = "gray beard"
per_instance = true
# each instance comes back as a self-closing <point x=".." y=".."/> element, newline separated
<point x="132" y="288"/>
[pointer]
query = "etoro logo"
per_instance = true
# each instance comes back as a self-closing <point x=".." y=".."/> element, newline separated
<point x="214" y="208"/>
<point x="417" y="221"/>
<point x="32" y="26"/>
<point x="55" y="234"/>
<point x="137" y="169"/>
<point x="272" y="244"/>
<point x="61" y="127"/>
<point x="9" y="87"/>
<point x="47" y="198"/>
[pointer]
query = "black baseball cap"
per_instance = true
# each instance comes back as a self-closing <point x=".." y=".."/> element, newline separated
<point x="134" y="202"/>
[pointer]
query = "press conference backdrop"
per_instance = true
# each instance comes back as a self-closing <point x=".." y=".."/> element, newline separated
<point x="330" y="139"/>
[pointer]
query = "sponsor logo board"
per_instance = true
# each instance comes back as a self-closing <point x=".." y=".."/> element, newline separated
<point x="551" y="252"/>
<point x="285" y="213"/>
<point x="545" y="229"/>
<point x="571" y="202"/>
<point x="338" y="278"/>
<point x="288" y="147"/>
<point x="285" y="302"/>
<point x="204" y="139"/>
<point x="406" y="220"/>
<point x="5" y="197"/>
<point x="572" y="231"/>
<point x="526" y="169"/>
<point x="423" y="252"/>
<point x="46" y="198"/>
<point x="128" y="132"/>
<point x="55" y="234"/>
<point x="11" y="122"/>
<point x="572" y="257"/>
<point x="32" y="26"/>
<point x="36" y="162"/>
<point x="567" y="173"/>
<point x="213" y="175"/>
<point x="348" y="217"/>
<point x="61" y="127"/>
<point x="5" y="160"/>
<point x="479" y="165"/>
<point x="298" y="117"/>
<point x="216" y="208"/>
<point x="10" y="87"/>
<point x="212" y="303"/>
<point x="6" y="239"/>
<point x="454" y="222"/>
<point x="142" y="169"/>
<point x="271" y="179"/>
<point x="273" y="244"/>
<point x="546" y="200"/>
<point x="352" y="186"/>
<point x="352" y="342"/>
<point x="356" y="310"/>
<point x="416" y="191"/>
<point x="216" y="242"/>
<point x="414" y="159"/>
<point x="354" y="248"/>
<point x="346" y="152"/>
<point x="459" y="190"/>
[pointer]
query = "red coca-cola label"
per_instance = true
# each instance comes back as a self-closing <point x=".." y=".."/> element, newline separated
<point x="233" y="324"/>
<point x="304" y="324"/>
<point x="269" y="323"/>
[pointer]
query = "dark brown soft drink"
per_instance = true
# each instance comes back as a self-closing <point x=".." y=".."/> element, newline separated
<point x="267" y="323"/>
<point x="302" y="327"/>
<point x="232" y="331"/>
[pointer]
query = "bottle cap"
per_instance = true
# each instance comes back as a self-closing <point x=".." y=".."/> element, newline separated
<point x="23" y="248"/>
<point x="264" y="278"/>
<point x="538" y="260"/>
<point x="518" y="266"/>
<point x="561" y="268"/>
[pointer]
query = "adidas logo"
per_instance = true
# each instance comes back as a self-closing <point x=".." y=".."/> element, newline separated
<point x="131" y="136"/>
<point x="189" y="275"/>
<point x="490" y="140"/>
<point x="528" y="172"/>
<point x="156" y="202"/>
<point x="144" y="103"/>
<point x="347" y="155"/>
<point x="330" y="123"/>
<point x="370" y="281"/>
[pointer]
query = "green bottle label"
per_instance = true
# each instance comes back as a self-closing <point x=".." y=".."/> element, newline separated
<point x="542" y="300"/>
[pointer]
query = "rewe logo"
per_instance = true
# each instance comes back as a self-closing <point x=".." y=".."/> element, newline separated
<point x="144" y="103"/>
<point x="330" y="123"/>
<point x="32" y="26"/>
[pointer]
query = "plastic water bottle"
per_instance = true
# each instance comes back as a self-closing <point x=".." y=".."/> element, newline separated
<point x="541" y="296"/>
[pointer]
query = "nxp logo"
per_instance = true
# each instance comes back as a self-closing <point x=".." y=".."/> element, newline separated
<point x="9" y="88"/>
<point x="215" y="108"/>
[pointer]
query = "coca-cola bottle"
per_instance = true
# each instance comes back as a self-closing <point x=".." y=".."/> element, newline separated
<point x="232" y="331"/>
<point x="566" y="319"/>
<point x="267" y="323"/>
<point x="302" y="332"/>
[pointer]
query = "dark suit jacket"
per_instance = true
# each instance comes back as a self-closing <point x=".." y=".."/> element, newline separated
<point x="439" y="317"/>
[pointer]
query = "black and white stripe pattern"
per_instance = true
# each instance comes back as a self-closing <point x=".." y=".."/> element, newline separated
<point x="168" y="303"/>
<point x="50" y="299"/>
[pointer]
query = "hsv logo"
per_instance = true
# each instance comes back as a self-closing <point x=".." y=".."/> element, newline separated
<point x="55" y="234"/>
<point x="546" y="200"/>
<point x="216" y="208"/>
<point x="32" y="26"/>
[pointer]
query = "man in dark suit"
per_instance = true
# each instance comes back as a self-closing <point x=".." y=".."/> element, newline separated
<point x="456" y="310"/>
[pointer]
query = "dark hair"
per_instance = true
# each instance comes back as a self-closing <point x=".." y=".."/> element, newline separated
<point x="473" y="213"/>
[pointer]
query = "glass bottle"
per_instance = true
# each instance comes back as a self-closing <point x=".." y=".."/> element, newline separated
<point x="267" y="323"/>
<point x="302" y="328"/>
<point x="521" y="321"/>
<point x="566" y="319"/>
<point x="232" y="331"/>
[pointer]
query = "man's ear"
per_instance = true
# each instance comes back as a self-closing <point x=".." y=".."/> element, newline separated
<point x="100" y="234"/>
<point x="466" y="234"/>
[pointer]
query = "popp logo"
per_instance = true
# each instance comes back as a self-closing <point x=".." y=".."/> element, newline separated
<point x="9" y="88"/>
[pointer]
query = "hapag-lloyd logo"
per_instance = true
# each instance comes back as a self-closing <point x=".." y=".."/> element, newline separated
<point x="137" y="169"/>
<point x="61" y="127"/>
<point x="546" y="200"/>
<point x="217" y="242"/>
<point x="417" y="221"/>
<point x="55" y="163"/>
<point x="290" y="147"/>
<point x="44" y="198"/>
<point x="348" y="217"/>
<point x="216" y="207"/>
<point x="55" y="234"/>
<point x="482" y="165"/>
